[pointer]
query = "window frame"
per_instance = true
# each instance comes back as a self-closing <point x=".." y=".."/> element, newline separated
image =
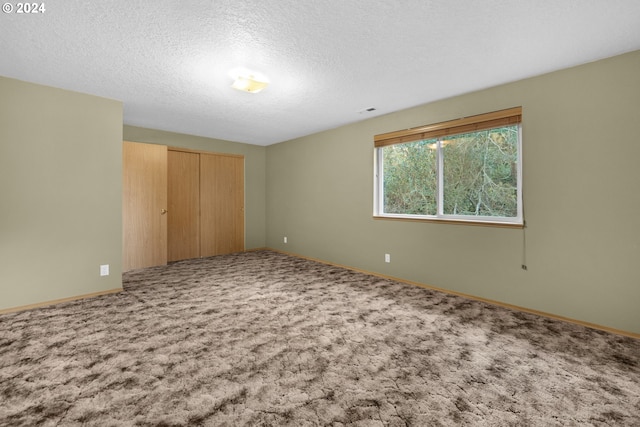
<point x="496" y="119"/>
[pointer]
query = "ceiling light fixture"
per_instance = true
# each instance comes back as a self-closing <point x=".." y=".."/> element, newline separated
<point x="248" y="81"/>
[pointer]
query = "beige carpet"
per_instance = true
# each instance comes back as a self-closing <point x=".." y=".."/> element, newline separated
<point x="262" y="338"/>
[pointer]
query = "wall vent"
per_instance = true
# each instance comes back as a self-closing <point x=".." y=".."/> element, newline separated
<point x="367" y="110"/>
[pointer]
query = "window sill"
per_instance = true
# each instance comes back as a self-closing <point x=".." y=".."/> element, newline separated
<point x="479" y="223"/>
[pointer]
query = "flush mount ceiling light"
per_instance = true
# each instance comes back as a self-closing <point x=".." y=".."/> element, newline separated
<point x="248" y="81"/>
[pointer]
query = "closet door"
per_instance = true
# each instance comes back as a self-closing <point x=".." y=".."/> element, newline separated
<point x="144" y="204"/>
<point x="221" y="204"/>
<point x="184" y="206"/>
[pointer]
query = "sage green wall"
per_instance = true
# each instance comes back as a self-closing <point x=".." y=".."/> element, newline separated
<point x="255" y="172"/>
<point x="60" y="193"/>
<point x="581" y="185"/>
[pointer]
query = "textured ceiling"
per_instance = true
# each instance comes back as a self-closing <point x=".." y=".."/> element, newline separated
<point x="168" y="60"/>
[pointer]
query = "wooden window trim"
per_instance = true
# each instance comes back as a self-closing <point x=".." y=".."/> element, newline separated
<point x="479" y="122"/>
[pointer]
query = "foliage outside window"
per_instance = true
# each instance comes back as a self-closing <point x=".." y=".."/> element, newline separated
<point x="464" y="170"/>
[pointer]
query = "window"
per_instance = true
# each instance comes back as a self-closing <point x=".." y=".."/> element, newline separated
<point x="465" y="170"/>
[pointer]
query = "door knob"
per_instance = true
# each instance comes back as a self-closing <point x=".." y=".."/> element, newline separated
<point x="163" y="211"/>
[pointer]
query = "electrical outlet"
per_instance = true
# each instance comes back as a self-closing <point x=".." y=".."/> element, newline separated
<point x="104" y="270"/>
<point x="285" y="239"/>
<point x="387" y="257"/>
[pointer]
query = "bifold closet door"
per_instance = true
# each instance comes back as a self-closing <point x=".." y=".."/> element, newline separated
<point x="221" y="204"/>
<point x="183" y="234"/>
<point x="144" y="205"/>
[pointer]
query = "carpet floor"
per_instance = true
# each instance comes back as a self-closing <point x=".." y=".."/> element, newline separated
<point x="262" y="338"/>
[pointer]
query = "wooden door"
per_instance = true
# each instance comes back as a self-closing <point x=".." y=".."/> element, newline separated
<point x="221" y="204"/>
<point x="183" y="223"/>
<point x="144" y="204"/>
